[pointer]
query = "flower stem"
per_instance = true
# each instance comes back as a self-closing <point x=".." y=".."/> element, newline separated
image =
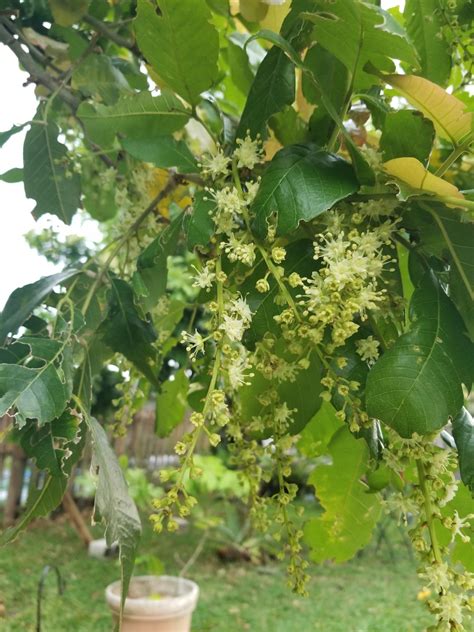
<point x="424" y="486"/>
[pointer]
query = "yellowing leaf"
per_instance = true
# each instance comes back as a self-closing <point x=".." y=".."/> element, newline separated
<point x="179" y="195"/>
<point x="448" y="113"/>
<point x="275" y="16"/>
<point x="411" y="172"/>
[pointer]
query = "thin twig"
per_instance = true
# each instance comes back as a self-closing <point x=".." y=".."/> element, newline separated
<point x="103" y="29"/>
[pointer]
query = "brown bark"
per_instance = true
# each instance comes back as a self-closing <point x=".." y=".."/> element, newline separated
<point x="15" y="485"/>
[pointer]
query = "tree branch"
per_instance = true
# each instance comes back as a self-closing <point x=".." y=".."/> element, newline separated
<point x="107" y="32"/>
<point x="36" y="72"/>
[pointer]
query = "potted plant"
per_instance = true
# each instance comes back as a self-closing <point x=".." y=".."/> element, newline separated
<point x="155" y="603"/>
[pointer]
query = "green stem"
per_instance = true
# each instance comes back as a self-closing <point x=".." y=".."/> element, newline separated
<point x="453" y="156"/>
<point x="428" y="511"/>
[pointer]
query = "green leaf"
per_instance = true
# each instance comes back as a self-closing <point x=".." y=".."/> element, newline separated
<point x="317" y="434"/>
<point x="424" y="26"/>
<point x="357" y="33"/>
<point x="171" y="404"/>
<point x="140" y="116"/>
<point x="416" y="385"/>
<point x="331" y="73"/>
<point x="272" y="89"/>
<point x="47" y="179"/>
<point x="112" y="501"/>
<point x="44" y="499"/>
<point x="398" y="134"/>
<point x="68" y="12"/>
<point x="164" y="152"/>
<point x="12" y="175"/>
<point x="350" y="512"/>
<point x="23" y="301"/>
<point x="151" y="276"/>
<point x="6" y="135"/>
<point x="126" y="331"/>
<point x="441" y="232"/>
<point x="198" y="224"/>
<point x="463" y="432"/>
<point x="463" y="504"/>
<point x="300" y="183"/>
<point x="96" y="75"/>
<point x="180" y="44"/>
<point x="41" y="387"/>
<point x="449" y="115"/>
<point x="48" y="444"/>
<point x="241" y="74"/>
<point x="302" y="395"/>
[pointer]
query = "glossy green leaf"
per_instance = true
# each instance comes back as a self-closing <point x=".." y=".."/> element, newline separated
<point x="273" y="88"/>
<point x="126" y="331"/>
<point x="463" y="432"/>
<point x="113" y="503"/>
<point x="417" y="384"/>
<point x="181" y="44"/>
<point x="300" y="183"/>
<point x="425" y="26"/>
<point x="163" y="151"/>
<point x="171" y="404"/>
<point x="350" y="513"/>
<point x="357" y="33"/>
<point x="23" y="301"/>
<point x="398" y="134"/>
<point x="198" y="223"/>
<point x="40" y="387"/>
<point x="47" y="179"/>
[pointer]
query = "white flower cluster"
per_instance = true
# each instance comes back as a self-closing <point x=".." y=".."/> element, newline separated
<point x="346" y="286"/>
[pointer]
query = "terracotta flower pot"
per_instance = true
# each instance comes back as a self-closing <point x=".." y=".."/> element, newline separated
<point x="155" y="604"/>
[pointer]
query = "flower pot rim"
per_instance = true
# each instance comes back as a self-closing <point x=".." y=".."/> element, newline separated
<point x="165" y="608"/>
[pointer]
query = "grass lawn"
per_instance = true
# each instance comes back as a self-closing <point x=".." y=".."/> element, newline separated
<point x="370" y="594"/>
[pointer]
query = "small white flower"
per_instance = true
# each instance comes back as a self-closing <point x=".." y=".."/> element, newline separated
<point x="216" y="165"/>
<point x="194" y="343"/>
<point x="204" y="278"/>
<point x="437" y="576"/>
<point x="248" y="153"/>
<point x="241" y="308"/>
<point x="233" y="327"/>
<point x="450" y="607"/>
<point x="368" y="348"/>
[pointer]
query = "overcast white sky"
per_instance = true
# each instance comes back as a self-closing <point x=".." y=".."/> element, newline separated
<point x="19" y="264"/>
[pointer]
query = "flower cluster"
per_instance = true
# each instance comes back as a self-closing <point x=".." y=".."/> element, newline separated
<point x="346" y="286"/>
<point x="428" y="498"/>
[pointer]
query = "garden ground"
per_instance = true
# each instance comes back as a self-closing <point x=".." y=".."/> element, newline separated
<point x="376" y="592"/>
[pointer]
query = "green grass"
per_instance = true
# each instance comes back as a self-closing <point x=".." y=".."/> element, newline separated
<point x="372" y="593"/>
